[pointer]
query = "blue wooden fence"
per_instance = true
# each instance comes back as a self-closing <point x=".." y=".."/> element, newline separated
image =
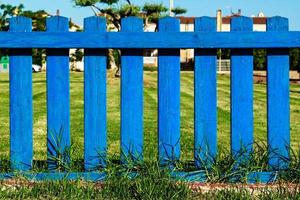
<point x="131" y="40"/>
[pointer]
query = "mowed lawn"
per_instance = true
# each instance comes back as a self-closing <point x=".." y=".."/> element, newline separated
<point x="150" y="114"/>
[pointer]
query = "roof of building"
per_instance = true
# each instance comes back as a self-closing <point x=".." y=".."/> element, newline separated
<point x="186" y="20"/>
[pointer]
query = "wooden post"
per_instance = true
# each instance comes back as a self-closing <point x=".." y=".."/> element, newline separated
<point x="132" y="96"/>
<point x="58" y="95"/>
<point x="169" y="96"/>
<point x="205" y="148"/>
<point x="20" y="75"/>
<point x="241" y="94"/>
<point x="278" y="88"/>
<point x="95" y="136"/>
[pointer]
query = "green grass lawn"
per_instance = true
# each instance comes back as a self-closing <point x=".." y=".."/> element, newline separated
<point x="150" y="114"/>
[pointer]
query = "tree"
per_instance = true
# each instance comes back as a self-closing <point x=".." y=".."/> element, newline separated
<point x="150" y="12"/>
<point x="295" y="60"/>
<point x="179" y="11"/>
<point x="260" y="62"/>
<point x="260" y="59"/>
<point x="38" y="24"/>
<point x="7" y="11"/>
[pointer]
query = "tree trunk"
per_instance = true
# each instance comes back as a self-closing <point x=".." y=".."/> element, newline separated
<point x="111" y="60"/>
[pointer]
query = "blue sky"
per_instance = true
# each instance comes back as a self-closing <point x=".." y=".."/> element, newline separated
<point x="286" y="8"/>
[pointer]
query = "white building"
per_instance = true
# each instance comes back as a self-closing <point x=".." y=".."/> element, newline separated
<point x="187" y="25"/>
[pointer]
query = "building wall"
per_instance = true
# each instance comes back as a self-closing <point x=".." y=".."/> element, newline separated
<point x="150" y="55"/>
<point x="225" y="28"/>
<point x="187" y="55"/>
<point x="260" y="27"/>
<point x="256" y="27"/>
<point x="187" y="25"/>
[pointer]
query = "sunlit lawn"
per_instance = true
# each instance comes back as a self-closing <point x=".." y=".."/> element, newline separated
<point x="150" y="114"/>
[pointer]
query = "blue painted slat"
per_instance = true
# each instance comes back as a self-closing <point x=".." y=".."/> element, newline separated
<point x="199" y="176"/>
<point x="59" y="176"/>
<point x="20" y="75"/>
<point x="150" y="40"/>
<point x="95" y="138"/>
<point x="169" y="96"/>
<point x="58" y="95"/>
<point x="132" y="96"/>
<point x="205" y="146"/>
<point x="241" y="92"/>
<point x="278" y="98"/>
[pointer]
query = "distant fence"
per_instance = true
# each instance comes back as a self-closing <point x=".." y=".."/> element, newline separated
<point x="223" y="65"/>
<point x="132" y="40"/>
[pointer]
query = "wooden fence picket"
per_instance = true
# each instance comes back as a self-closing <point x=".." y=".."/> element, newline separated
<point x="95" y="136"/>
<point x="205" y="147"/>
<point x="58" y="95"/>
<point x="169" y="96"/>
<point x="278" y="102"/>
<point x="132" y="96"/>
<point x="21" y="124"/>
<point x="241" y="87"/>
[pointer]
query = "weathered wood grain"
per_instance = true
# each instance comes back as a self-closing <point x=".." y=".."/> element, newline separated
<point x="169" y="97"/>
<point x="95" y="128"/>
<point x="150" y="40"/>
<point x="132" y="96"/>
<point x="205" y="83"/>
<point x="278" y="102"/>
<point x="21" y="124"/>
<point x="58" y="96"/>
<point x="241" y="94"/>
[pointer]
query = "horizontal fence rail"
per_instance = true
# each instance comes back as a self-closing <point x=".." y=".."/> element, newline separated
<point x="132" y="40"/>
<point x="120" y="40"/>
